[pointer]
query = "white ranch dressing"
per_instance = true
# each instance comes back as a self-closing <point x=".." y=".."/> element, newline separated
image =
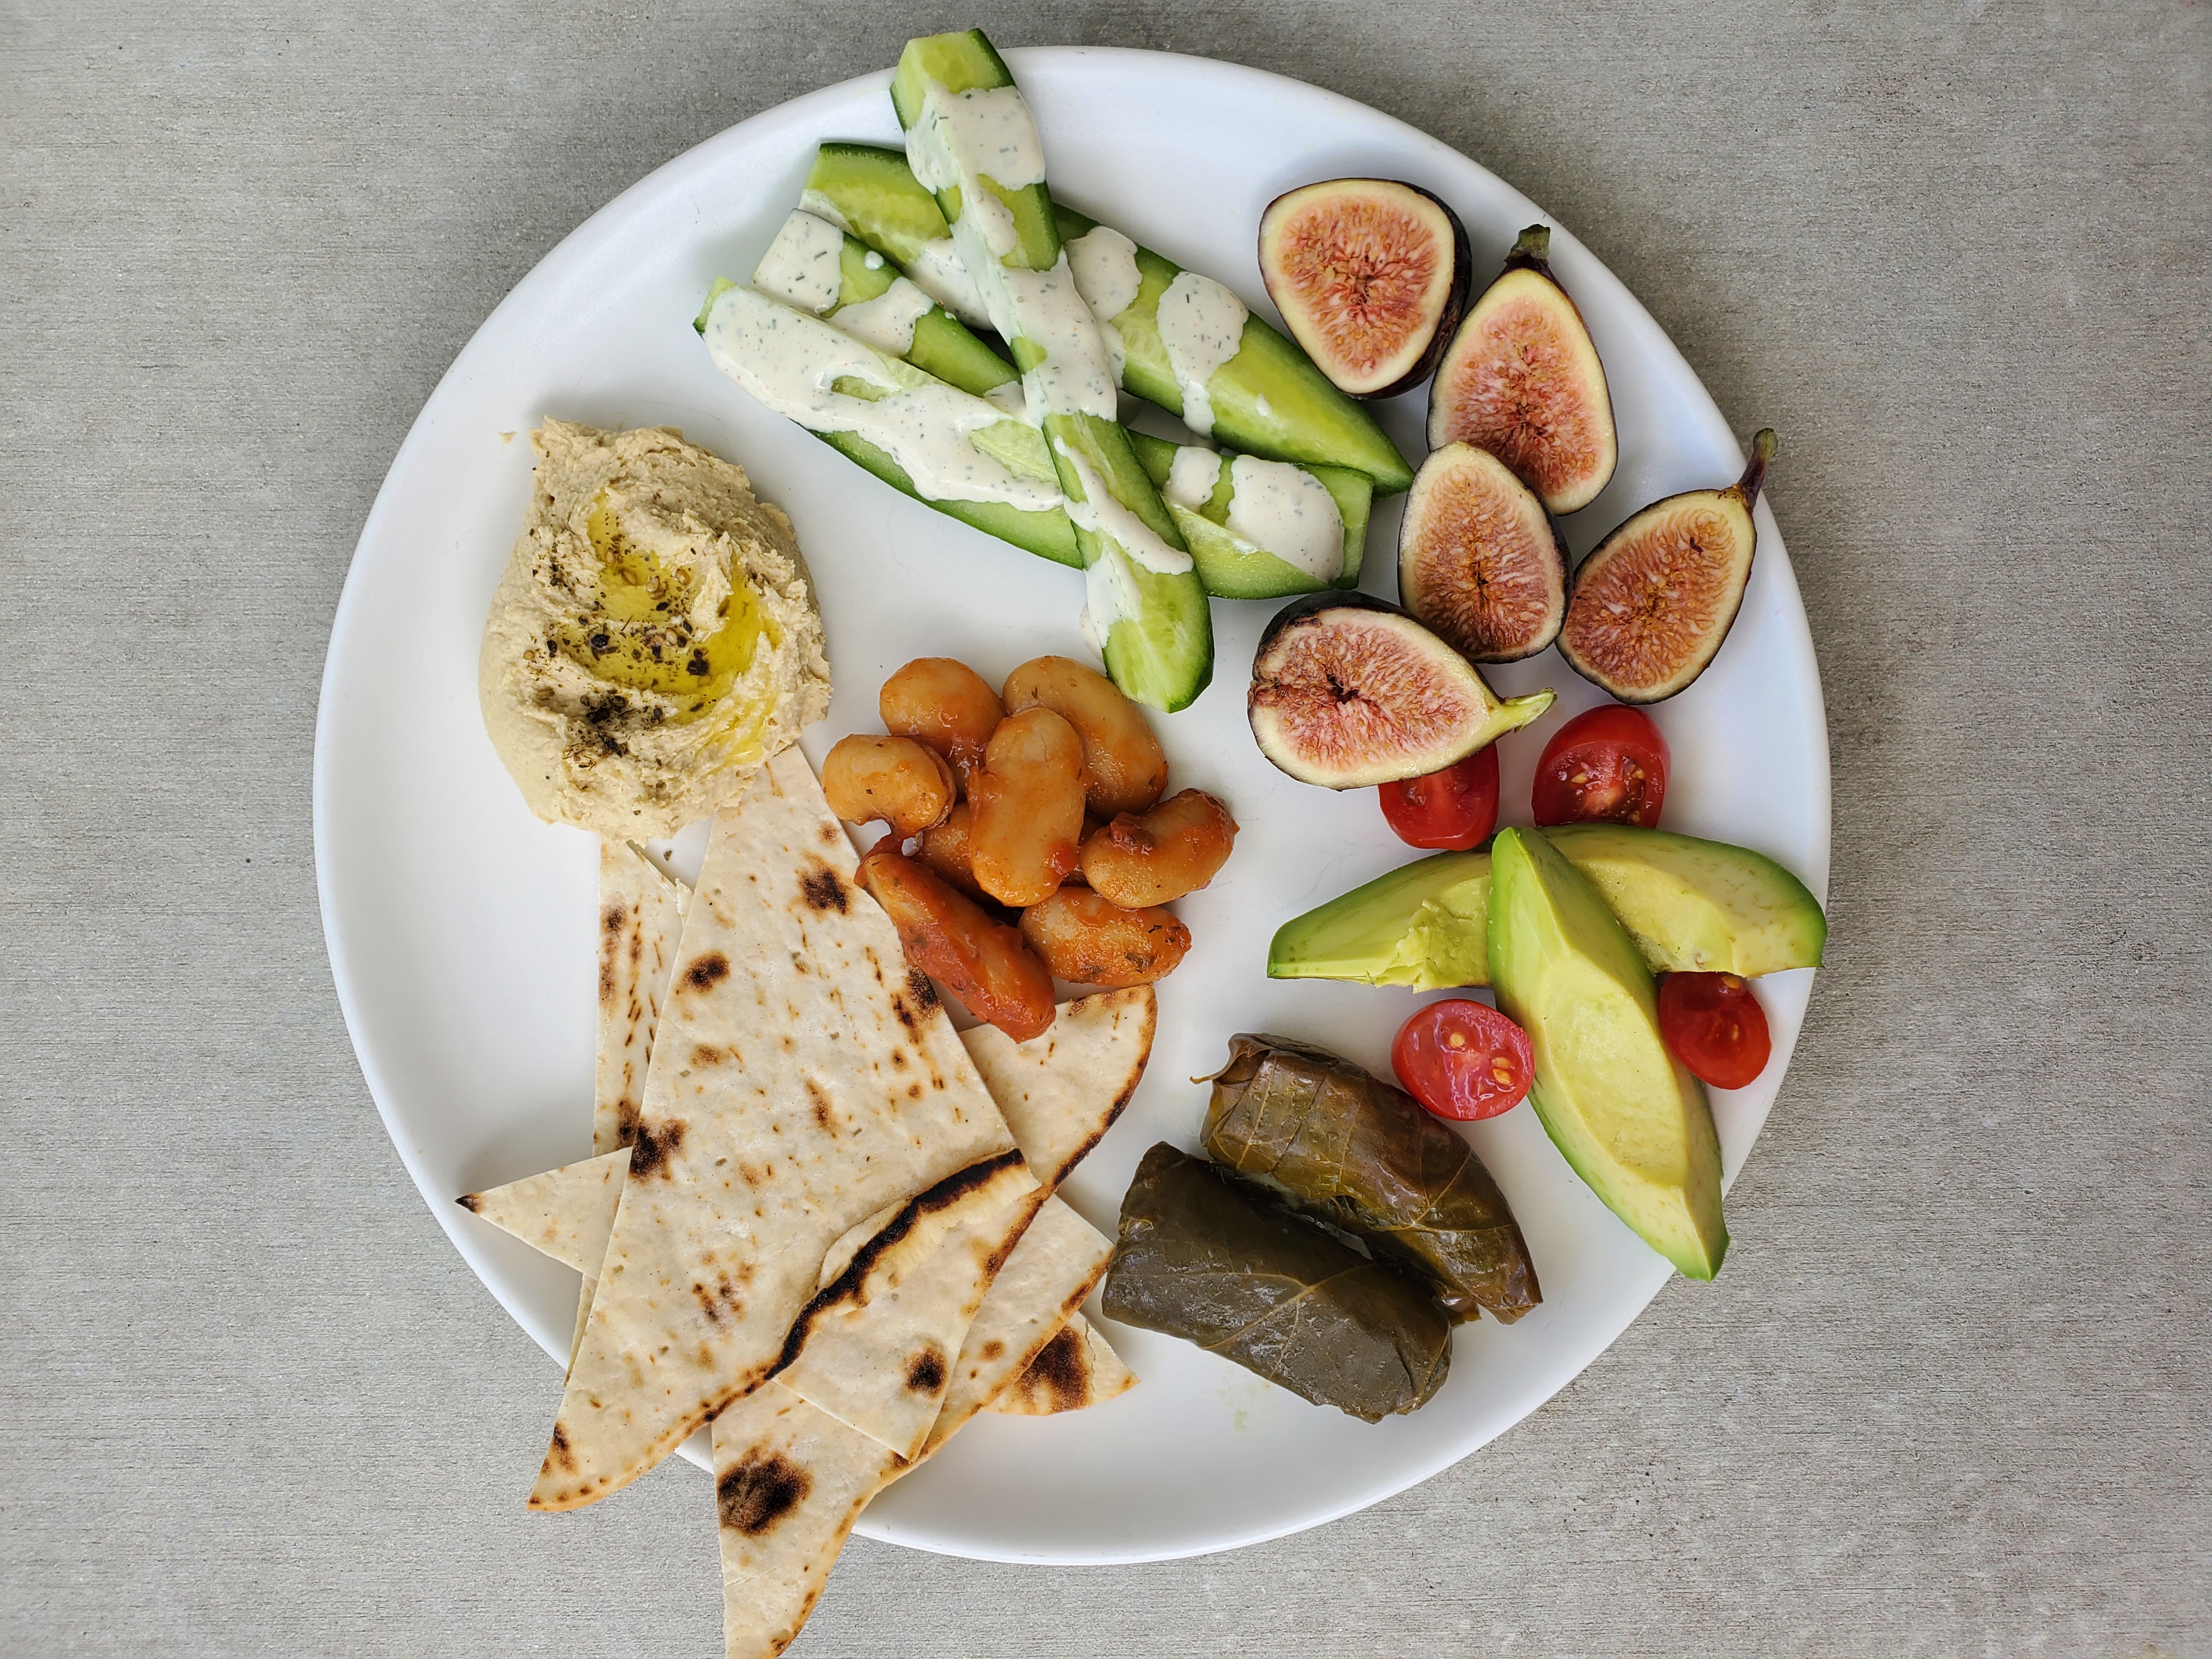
<point x="1076" y="375"/>
<point x="791" y="362"/>
<point x="1105" y="265"/>
<point x="988" y="132"/>
<point x="984" y="133"/>
<point x="1109" y="596"/>
<point x="939" y="271"/>
<point x="800" y="267"/>
<point x="1192" y="476"/>
<point x="887" y="321"/>
<point x="1099" y="511"/>
<point x="815" y="201"/>
<point x="1014" y="397"/>
<point x="1104" y="261"/>
<point x="1202" y="325"/>
<point x="1287" y="511"/>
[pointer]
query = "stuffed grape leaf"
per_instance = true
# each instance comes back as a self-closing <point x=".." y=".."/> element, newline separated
<point x="1204" y="1257"/>
<point x="1361" y="1155"/>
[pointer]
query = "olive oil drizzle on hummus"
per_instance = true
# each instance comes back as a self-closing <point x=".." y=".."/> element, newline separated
<point x="644" y="638"/>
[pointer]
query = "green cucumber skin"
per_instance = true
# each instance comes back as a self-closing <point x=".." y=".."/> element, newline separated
<point x="1229" y="575"/>
<point x="876" y="192"/>
<point x="967" y="61"/>
<point x="943" y="345"/>
<point x="1309" y="422"/>
<point x="1047" y="535"/>
<point x="1164" y="656"/>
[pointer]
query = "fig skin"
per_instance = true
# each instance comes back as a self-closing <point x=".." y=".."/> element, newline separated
<point x="1283" y="287"/>
<point x="1349" y="691"/>
<point x="1467" y="510"/>
<point x="1632" y="666"/>
<point x="1558" y="436"/>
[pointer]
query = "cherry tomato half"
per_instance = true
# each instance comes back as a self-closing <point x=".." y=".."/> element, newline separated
<point x="1714" y="1026"/>
<point x="1606" y="764"/>
<point x="1455" y="809"/>
<point x="1463" y="1059"/>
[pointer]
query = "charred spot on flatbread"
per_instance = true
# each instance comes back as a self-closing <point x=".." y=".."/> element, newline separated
<point x="706" y="1054"/>
<point x="824" y="889"/>
<point x="848" y="1286"/>
<point x="1059" y="1369"/>
<point x="560" y="1453"/>
<point x="824" y="1114"/>
<point x="708" y="971"/>
<point x="470" y="1202"/>
<point x="925" y="1371"/>
<point x="922" y="988"/>
<point x="650" y="1153"/>
<point x="759" y="1490"/>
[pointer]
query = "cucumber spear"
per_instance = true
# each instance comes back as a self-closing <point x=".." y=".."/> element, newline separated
<point x="1268" y="400"/>
<point x="971" y="139"/>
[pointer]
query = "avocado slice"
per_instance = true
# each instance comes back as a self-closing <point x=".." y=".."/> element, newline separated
<point x="1689" y="904"/>
<point x="1622" y="1110"/>
<point x="1697" y="906"/>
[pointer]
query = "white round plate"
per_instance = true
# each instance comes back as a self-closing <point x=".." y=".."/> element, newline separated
<point x="460" y="928"/>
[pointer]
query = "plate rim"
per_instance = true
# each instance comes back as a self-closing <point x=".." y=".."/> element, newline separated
<point x="552" y="269"/>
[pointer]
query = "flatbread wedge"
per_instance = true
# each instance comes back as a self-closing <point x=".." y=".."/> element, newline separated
<point x="875" y="1348"/>
<point x="790" y="1480"/>
<point x="1061" y="1091"/>
<point x="640" y="918"/>
<point x="1073" y="1372"/>
<point x="566" y="1212"/>
<point x="802" y="1077"/>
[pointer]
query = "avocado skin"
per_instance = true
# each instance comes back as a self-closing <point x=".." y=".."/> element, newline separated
<point x="1622" y="1110"/>
<point x="1690" y="905"/>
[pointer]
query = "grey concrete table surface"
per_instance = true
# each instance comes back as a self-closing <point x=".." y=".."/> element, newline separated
<point x="1950" y="1396"/>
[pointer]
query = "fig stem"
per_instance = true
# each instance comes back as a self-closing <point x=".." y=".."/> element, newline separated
<point x="1533" y="249"/>
<point x="1755" y="476"/>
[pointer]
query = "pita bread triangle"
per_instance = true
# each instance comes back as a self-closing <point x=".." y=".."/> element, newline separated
<point x="640" y="918"/>
<point x="802" y="1077"/>
<point x="1064" y="1088"/>
<point x="566" y="1213"/>
<point x="1061" y="1091"/>
<point x="1075" y="1371"/>
<point x="790" y="1480"/>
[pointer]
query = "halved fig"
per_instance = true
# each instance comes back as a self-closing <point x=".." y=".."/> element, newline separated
<point x="1653" y="602"/>
<point x="1478" y="558"/>
<point x="1369" y="274"/>
<point x="1348" y="691"/>
<point x="1522" y="379"/>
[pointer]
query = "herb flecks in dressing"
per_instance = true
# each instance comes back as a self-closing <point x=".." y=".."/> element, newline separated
<point x="887" y="321"/>
<point x="1104" y="261"/>
<point x="821" y="377"/>
<point x="938" y="270"/>
<point x="1202" y="325"/>
<point x="800" y="267"/>
<point x="1192" y="478"/>
<point x="1287" y="511"/>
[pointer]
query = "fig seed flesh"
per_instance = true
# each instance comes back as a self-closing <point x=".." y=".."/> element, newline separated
<point x="1522" y="380"/>
<point x="1370" y="276"/>
<point x="1653" y="601"/>
<point x="1480" y="560"/>
<point x="1348" y="691"/>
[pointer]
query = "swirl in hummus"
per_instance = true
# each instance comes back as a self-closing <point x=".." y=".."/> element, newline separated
<point x="654" y="639"/>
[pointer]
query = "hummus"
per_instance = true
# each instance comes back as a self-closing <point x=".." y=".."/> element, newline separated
<point x="655" y="638"/>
